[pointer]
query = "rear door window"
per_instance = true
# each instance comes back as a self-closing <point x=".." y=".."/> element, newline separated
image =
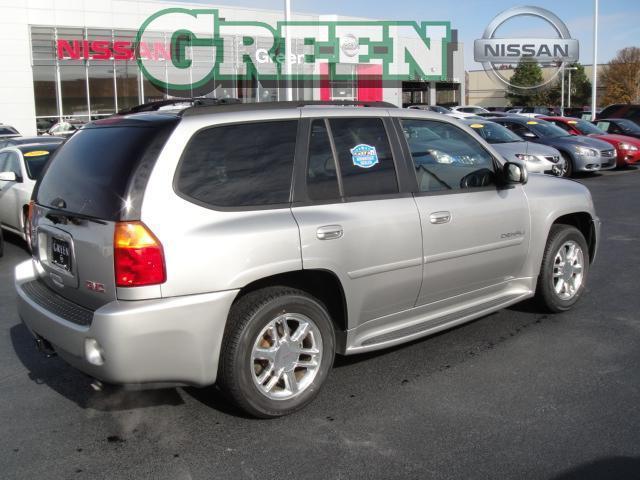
<point x="239" y="165"/>
<point x="364" y="156"/>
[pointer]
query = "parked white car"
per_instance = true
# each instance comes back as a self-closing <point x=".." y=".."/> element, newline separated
<point x="469" y="109"/>
<point x="20" y="168"/>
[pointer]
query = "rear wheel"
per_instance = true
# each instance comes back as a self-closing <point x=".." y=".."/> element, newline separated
<point x="278" y="349"/>
<point x="564" y="270"/>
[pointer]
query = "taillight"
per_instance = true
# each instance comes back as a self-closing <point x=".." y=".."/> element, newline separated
<point x="138" y="256"/>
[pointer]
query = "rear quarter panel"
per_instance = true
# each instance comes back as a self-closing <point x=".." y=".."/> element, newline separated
<point x="211" y="250"/>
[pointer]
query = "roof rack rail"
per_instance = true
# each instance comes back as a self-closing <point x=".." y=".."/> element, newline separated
<point x="190" y="101"/>
<point x="237" y="106"/>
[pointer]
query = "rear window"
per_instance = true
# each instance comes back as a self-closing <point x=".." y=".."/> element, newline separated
<point x="240" y="165"/>
<point x="35" y="159"/>
<point x="8" y="131"/>
<point x="91" y="173"/>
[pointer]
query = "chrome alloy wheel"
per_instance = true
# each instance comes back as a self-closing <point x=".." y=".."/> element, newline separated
<point x="286" y="356"/>
<point x="561" y="168"/>
<point x="568" y="267"/>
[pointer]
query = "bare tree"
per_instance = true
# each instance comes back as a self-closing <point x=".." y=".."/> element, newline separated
<point x="621" y="78"/>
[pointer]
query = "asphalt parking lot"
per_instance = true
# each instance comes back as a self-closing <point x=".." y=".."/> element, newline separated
<point x="517" y="394"/>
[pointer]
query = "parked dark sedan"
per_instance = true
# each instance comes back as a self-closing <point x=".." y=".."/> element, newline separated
<point x="581" y="154"/>
<point x="13" y="141"/>
<point x="619" y="126"/>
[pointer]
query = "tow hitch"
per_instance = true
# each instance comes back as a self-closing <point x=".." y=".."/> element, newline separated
<point x="45" y="347"/>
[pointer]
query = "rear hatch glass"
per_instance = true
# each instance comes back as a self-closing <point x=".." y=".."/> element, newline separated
<point x="91" y="173"/>
<point x="82" y="194"/>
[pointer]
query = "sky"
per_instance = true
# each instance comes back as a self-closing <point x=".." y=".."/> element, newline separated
<point x="619" y="20"/>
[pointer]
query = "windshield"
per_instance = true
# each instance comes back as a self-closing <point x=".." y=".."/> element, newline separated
<point x="439" y="109"/>
<point x="494" y="133"/>
<point x="628" y="126"/>
<point x="586" y="128"/>
<point x="546" y="130"/>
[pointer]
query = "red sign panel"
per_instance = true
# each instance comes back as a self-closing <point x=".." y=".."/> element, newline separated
<point x="106" y="50"/>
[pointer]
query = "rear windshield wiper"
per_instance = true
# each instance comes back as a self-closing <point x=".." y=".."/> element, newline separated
<point x="56" y="214"/>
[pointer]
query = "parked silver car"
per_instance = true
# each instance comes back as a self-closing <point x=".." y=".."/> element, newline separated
<point x="20" y="167"/>
<point x="535" y="157"/>
<point x="248" y="244"/>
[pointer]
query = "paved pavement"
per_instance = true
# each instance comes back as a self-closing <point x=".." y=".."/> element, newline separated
<point x="517" y="394"/>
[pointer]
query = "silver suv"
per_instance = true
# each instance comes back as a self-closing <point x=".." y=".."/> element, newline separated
<point x="246" y="245"/>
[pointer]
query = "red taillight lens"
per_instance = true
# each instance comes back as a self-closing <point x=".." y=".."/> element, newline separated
<point x="138" y="256"/>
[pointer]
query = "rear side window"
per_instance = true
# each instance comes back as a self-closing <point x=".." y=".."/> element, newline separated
<point x="240" y="165"/>
<point x="90" y="174"/>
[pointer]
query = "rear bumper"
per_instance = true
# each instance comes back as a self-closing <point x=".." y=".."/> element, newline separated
<point x="168" y="340"/>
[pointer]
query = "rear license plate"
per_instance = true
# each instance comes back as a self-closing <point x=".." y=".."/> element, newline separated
<point x="61" y="253"/>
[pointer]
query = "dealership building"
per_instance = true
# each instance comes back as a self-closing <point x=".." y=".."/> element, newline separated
<point x="76" y="59"/>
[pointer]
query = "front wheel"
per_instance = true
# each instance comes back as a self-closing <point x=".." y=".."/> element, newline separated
<point x="567" y="168"/>
<point x="564" y="270"/>
<point x="278" y="349"/>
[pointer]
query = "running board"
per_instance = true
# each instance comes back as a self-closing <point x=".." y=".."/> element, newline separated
<point x="430" y="323"/>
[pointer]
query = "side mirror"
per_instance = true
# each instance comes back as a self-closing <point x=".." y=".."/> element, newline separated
<point x="515" y="173"/>
<point x="8" y="177"/>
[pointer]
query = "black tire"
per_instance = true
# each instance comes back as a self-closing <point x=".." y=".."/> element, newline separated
<point x="247" y="319"/>
<point x="545" y="291"/>
<point x="568" y="173"/>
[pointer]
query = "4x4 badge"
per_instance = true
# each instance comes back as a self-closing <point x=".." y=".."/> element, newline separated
<point x="364" y="156"/>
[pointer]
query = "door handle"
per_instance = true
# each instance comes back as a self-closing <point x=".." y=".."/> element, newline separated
<point x="440" y="217"/>
<point x="329" y="232"/>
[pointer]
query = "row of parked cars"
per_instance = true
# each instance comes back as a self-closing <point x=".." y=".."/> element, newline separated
<point x="248" y="246"/>
<point x="557" y="145"/>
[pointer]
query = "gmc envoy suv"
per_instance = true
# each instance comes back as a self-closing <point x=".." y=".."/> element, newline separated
<point x="246" y="245"/>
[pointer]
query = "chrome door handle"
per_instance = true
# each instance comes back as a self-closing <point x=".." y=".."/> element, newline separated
<point x="440" y="217"/>
<point x="329" y="232"/>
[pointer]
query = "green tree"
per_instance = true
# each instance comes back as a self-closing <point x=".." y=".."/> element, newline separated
<point x="580" y="89"/>
<point x="527" y="74"/>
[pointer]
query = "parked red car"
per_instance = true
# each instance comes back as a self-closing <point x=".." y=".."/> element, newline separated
<point x="627" y="148"/>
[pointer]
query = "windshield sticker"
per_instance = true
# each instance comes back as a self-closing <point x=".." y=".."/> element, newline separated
<point x="476" y="125"/>
<point x="532" y="123"/>
<point x="364" y="156"/>
<point x="36" y="153"/>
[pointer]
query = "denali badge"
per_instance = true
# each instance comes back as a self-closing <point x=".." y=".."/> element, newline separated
<point x="518" y="233"/>
<point x="94" y="286"/>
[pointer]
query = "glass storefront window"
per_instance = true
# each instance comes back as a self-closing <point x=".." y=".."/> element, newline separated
<point x="101" y="89"/>
<point x="127" y="84"/>
<point x="73" y="87"/>
<point x="44" y="90"/>
<point x="101" y="76"/>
